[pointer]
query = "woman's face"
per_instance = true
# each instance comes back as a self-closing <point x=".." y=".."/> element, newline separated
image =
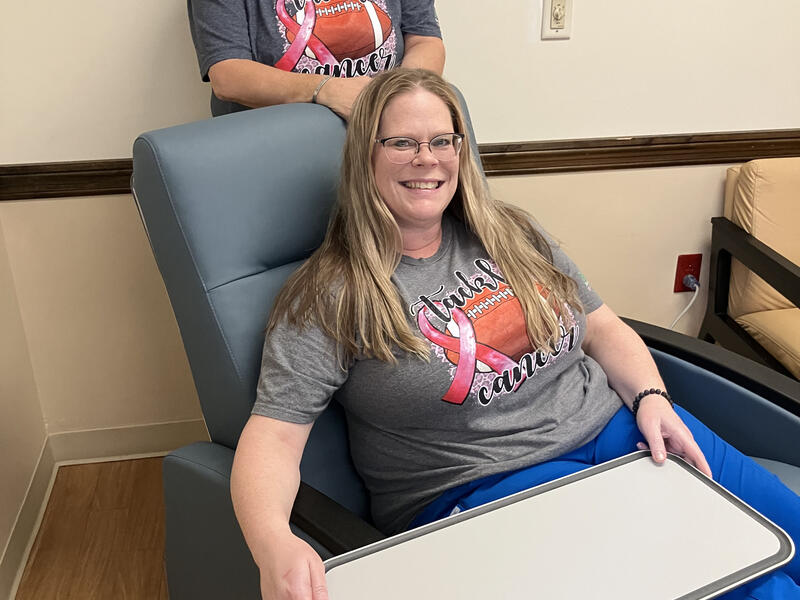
<point x="417" y="192"/>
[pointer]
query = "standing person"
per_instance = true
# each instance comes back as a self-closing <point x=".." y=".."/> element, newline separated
<point x="471" y="357"/>
<point x="265" y="52"/>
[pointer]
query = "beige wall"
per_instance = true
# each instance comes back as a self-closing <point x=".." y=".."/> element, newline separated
<point x="88" y="77"/>
<point x="22" y="431"/>
<point x="625" y="230"/>
<point x="103" y="342"/>
<point x="631" y="67"/>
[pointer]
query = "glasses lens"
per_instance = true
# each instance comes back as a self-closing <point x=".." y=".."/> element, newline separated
<point x="446" y="146"/>
<point x="400" y="150"/>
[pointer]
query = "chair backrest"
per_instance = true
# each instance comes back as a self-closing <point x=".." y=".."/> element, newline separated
<point x="761" y="198"/>
<point x="232" y="207"/>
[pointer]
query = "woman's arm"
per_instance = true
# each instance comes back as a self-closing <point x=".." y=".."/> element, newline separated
<point x="253" y="84"/>
<point x="264" y="483"/>
<point x="423" y="52"/>
<point x="630" y="369"/>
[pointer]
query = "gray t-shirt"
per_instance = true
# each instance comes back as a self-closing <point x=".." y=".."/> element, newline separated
<point x="343" y="38"/>
<point x="485" y="403"/>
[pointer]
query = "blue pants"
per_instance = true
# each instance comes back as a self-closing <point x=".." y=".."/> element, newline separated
<point x="734" y="471"/>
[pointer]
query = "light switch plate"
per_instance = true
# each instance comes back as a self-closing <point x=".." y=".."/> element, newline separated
<point x="556" y="19"/>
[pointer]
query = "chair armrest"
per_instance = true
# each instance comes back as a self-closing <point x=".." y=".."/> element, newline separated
<point x="327" y="521"/>
<point x="759" y="379"/>
<point x="321" y="518"/>
<point x="772" y="267"/>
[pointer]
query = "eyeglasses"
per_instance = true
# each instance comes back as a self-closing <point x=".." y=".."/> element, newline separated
<point x="402" y="150"/>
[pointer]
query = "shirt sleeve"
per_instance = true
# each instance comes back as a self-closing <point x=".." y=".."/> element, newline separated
<point x="219" y="31"/>
<point x="589" y="298"/>
<point x="300" y="371"/>
<point x="418" y="17"/>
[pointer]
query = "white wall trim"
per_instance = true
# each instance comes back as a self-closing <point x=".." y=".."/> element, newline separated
<point x="27" y="524"/>
<point x="78" y="447"/>
<point x="118" y="443"/>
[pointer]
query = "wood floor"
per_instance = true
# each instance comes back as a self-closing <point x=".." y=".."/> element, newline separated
<point x="102" y="536"/>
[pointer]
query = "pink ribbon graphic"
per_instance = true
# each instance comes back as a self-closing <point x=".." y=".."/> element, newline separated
<point x="303" y="37"/>
<point x="468" y="350"/>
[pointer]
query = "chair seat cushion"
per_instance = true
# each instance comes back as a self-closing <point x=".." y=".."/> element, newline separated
<point x="788" y="474"/>
<point x="779" y="332"/>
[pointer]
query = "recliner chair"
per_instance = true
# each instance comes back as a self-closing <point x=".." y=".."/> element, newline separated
<point x="232" y="206"/>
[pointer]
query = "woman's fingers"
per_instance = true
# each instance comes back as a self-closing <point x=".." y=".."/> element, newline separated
<point x="319" y="589"/>
<point x="692" y="454"/>
<point x="651" y="430"/>
<point x="671" y="435"/>
<point x="694" y="457"/>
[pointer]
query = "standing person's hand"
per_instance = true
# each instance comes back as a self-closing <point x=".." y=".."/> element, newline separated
<point x="291" y="570"/>
<point x="339" y="94"/>
<point x="666" y="432"/>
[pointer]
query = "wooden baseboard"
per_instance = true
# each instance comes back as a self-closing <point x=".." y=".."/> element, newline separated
<point x="73" y="447"/>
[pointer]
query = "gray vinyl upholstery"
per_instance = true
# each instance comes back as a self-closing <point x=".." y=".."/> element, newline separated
<point x="232" y="206"/>
<point x="753" y="425"/>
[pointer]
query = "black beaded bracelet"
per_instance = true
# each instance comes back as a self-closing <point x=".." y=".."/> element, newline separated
<point x="643" y="393"/>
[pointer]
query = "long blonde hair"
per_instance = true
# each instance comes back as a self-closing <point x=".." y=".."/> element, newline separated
<point x="345" y="286"/>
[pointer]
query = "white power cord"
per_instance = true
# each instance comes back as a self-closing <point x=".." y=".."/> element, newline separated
<point x="690" y="281"/>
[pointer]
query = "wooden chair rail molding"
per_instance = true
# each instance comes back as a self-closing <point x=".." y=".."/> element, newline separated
<point x="102" y="177"/>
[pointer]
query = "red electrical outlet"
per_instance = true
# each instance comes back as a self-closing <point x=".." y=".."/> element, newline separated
<point x="688" y="264"/>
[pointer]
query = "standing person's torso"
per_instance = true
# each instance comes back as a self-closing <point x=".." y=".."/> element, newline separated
<point x="341" y="38"/>
<point x="345" y="38"/>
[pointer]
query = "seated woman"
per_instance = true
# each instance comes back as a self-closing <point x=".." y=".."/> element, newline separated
<point x="472" y="358"/>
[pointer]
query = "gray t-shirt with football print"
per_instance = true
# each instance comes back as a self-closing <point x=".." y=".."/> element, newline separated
<point x="343" y="38"/>
<point x="485" y="403"/>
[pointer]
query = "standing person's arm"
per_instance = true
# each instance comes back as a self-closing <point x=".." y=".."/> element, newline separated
<point x="424" y="52"/>
<point x="422" y="36"/>
<point x="264" y="483"/>
<point x="225" y="54"/>
<point x="255" y="85"/>
<point x="630" y="369"/>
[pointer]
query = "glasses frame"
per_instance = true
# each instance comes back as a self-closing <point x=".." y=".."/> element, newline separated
<point x="382" y="142"/>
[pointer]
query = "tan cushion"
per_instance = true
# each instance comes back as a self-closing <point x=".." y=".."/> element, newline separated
<point x="765" y="201"/>
<point x="730" y="188"/>
<point x="779" y="332"/>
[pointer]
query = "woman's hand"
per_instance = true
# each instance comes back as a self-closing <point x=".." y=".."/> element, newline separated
<point x="339" y="94"/>
<point x="666" y="432"/>
<point x="630" y="368"/>
<point x="292" y="570"/>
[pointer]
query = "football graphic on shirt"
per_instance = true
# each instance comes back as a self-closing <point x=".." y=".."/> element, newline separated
<point x="498" y="322"/>
<point x="349" y="28"/>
